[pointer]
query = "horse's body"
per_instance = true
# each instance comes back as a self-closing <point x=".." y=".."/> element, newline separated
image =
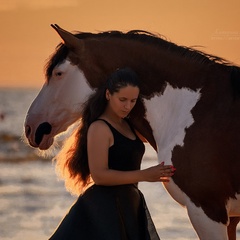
<point x="190" y="113"/>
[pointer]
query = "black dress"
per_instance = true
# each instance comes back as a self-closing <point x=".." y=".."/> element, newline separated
<point x="111" y="212"/>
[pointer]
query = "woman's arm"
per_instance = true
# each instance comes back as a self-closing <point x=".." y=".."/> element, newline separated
<point x="100" y="138"/>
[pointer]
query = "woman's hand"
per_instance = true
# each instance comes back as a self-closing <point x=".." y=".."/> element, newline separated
<point x="158" y="173"/>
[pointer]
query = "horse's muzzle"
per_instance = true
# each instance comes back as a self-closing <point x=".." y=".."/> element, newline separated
<point x="44" y="128"/>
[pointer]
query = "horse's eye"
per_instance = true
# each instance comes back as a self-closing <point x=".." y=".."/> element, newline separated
<point x="59" y="74"/>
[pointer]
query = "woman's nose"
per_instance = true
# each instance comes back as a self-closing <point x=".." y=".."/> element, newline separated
<point x="128" y="105"/>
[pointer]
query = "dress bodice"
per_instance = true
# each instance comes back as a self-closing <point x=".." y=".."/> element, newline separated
<point x="125" y="154"/>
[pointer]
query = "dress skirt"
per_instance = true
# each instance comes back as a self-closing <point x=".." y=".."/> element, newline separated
<point x="108" y="213"/>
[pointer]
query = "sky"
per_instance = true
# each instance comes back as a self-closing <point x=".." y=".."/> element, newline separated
<point x="27" y="40"/>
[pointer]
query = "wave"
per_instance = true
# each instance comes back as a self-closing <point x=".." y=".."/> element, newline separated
<point x="13" y="149"/>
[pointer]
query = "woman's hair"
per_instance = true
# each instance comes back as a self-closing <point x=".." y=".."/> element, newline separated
<point x="75" y="169"/>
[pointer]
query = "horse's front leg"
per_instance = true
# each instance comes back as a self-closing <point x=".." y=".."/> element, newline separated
<point x="206" y="228"/>
<point x="232" y="228"/>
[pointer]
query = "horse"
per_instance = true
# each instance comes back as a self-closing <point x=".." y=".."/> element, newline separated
<point x="189" y="112"/>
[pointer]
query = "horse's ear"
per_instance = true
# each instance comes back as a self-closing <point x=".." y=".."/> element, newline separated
<point x="70" y="40"/>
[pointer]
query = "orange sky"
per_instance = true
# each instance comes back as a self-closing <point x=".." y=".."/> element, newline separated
<point x="27" y="39"/>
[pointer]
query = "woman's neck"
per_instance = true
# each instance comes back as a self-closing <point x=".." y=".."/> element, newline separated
<point x="112" y="117"/>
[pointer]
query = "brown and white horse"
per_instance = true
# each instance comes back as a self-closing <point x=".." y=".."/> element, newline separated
<point x="190" y="113"/>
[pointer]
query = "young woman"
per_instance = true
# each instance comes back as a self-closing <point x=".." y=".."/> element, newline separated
<point x="106" y="162"/>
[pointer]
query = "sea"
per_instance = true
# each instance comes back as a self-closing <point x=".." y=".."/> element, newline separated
<point x="33" y="200"/>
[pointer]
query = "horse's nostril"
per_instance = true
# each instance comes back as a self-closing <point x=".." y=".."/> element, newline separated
<point x="27" y="130"/>
<point x="43" y="128"/>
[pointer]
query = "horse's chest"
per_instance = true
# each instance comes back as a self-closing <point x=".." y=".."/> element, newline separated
<point x="169" y="115"/>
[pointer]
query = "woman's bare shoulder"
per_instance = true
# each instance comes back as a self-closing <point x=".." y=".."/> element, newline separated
<point x="99" y="127"/>
<point x="100" y="133"/>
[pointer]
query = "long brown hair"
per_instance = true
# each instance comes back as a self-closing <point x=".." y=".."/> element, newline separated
<point x="75" y="169"/>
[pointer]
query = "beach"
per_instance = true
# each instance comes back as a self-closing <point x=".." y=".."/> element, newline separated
<point x="33" y="200"/>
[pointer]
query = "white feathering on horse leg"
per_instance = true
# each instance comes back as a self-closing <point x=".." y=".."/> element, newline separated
<point x="205" y="227"/>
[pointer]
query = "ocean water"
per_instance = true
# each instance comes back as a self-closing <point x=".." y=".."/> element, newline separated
<point x="33" y="201"/>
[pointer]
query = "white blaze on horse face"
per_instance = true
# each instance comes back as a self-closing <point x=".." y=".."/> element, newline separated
<point x="169" y="115"/>
<point x="59" y="102"/>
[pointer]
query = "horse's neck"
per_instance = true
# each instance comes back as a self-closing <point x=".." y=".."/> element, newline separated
<point x="155" y="65"/>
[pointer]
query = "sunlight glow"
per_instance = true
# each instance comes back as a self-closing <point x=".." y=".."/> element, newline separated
<point x="27" y="39"/>
<point x="35" y="4"/>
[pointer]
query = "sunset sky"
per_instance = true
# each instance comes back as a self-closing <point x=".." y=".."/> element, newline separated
<point x="27" y="39"/>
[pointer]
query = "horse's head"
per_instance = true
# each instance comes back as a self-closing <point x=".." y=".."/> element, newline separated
<point x="58" y="104"/>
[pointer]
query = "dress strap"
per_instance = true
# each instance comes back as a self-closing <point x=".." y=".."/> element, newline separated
<point x="105" y="122"/>
<point x="114" y="130"/>
<point x="109" y="125"/>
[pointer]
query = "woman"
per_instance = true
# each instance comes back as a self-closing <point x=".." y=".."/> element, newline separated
<point x="106" y="163"/>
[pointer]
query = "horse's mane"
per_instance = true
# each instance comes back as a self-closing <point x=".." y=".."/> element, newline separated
<point x="138" y="35"/>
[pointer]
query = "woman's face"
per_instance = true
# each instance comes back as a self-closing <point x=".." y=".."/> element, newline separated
<point x="123" y="101"/>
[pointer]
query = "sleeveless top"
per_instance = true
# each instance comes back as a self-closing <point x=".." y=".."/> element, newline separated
<point x="125" y="154"/>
